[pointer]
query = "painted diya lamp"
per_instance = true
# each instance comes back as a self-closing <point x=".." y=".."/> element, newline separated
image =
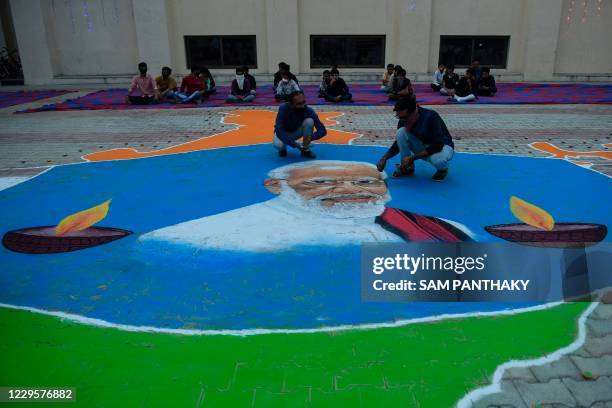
<point x="71" y="234"/>
<point x="563" y="234"/>
<point x="539" y="229"/>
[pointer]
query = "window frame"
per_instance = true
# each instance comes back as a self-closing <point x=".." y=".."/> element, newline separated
<point x="475" y="38"/>
<point x="187" y="38"/>
<point x="313" y="37"/>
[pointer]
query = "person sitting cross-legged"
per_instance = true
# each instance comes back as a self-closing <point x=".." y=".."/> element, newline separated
<point x="438" y="78"/>
<point x="286" y="86"/>
<point x="250" y="78"/>
<point x="193" y="88"/>
<point x="401" y="86"/>
<point x="337" y="91"/>
<point x="209" y="81"/>
<point x="325" y="80"/>
<point x="143" y="89"/>
<point x="449" y="81"/>
<point x="466" y="88"/>
<point x="486" y="85"/>
<point x="166" y="84"/>
<point x="295" y="120"/>
<point x="241" y="89"/>
<point x="421" y="135"/>
<point x="386" y="79"/>
<point x="278" y="76"/>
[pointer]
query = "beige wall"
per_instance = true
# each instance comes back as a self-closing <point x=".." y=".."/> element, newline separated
<point x="584" y="47"/>
<point x="104" y="44"/>
<point x="541" y="47"/>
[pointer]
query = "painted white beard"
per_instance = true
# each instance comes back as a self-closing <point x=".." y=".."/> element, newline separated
<point x="338" y="210"/>
<point x="240" y="82"/>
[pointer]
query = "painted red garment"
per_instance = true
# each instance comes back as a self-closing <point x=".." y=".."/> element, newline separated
<point x="415" y="227"/>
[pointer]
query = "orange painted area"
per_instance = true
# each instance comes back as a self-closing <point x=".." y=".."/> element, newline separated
<point x="560" y="153"/>
<point x="254" y="127"/>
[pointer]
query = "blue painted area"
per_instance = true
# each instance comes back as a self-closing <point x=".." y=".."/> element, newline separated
<point x="158" y="284"/>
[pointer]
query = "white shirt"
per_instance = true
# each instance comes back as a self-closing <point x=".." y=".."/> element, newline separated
<point x="271" y="226"/>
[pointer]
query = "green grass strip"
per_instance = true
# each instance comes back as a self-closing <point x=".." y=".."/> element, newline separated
<point x="421" y="365"/>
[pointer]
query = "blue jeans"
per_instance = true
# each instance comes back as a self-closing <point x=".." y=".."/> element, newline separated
<point x="304" y="130"/>
<point x="194" y="97"/>
<point x="409" y="145"/>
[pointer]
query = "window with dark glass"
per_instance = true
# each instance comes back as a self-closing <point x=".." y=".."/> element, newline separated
<point x="491" y="51"/>
<point x="350" y="51"/>
<point x="221" y="51"/>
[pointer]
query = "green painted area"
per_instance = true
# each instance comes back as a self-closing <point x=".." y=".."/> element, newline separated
<point x="424" y="365"/>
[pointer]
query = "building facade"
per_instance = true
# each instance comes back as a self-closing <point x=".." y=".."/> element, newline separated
<point x="64" y="41"/>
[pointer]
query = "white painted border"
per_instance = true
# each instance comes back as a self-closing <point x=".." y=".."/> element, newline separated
<point x="251" y="332"/>
<point x="468" y="400"/>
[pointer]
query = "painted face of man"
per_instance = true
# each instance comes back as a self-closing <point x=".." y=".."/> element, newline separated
<point x="332" y="185"/>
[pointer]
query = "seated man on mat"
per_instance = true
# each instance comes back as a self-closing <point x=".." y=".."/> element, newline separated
<point x="286" y="86"/>
<point x="278" y="76"/>
<point x="466" y="88"/>
<point x="241" y="89"/>
<point x="438" y="78"/>
<point x="325" y="80"/>
<point x="386" y="79"/>
<point x="337" y="91"/>
<point x="193" y="87"/>
<point x="401" y="86"/>
<point x="211" y="87"/>
<point x="166" y="84"/>
<point x="296" y="121"/>
<point x="250" y="78"/>
<point x="143" y="89"/>
<point x="421" y="134"/>
<point x="449" y="81"/>
<point x="486" y="85"/>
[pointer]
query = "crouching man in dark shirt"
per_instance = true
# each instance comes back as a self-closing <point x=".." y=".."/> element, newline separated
<point x="295" y="120"/>
<point x="421" y="134"/>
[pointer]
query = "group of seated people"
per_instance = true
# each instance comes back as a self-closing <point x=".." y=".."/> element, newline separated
<point x="395" y="83"/>
<point x="200" y="84"/>
<point x="475" y="82"/>
<point x="195" y="87"/>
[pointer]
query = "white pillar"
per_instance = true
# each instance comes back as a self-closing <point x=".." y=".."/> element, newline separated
<point x="414" y="32"/>
<point x="282" y="24"/>
<point x="542" y="19"/>
<point x="32" y="41"/>
<point x="151" y="20"/>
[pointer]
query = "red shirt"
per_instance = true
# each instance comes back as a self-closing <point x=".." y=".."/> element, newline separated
<point x="191" y="83"/>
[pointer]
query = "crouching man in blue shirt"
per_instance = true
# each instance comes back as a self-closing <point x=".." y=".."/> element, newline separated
<point x="296" y="121"/>
<point x="421" y="135"/>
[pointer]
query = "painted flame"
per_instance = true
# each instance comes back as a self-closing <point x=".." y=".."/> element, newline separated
<point x="83" y="219"/>
<point x="531" y="214"/>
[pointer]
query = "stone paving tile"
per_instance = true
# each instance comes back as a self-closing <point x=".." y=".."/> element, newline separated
<point x="552" y="392"/>
<point x="563" y="368"/>
<point x="520" y="373"/>
<point x="560" y="383"/>
<point x="599" y="328"/>
<point x="599" y="366"/>
<point x="508" y="397"/>
<point x="588" y="393"/>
